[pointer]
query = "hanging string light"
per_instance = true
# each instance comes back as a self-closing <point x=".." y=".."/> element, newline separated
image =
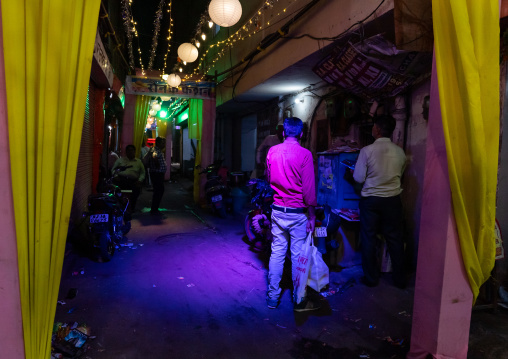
<point x="170" y="33"/>
<point x="156" y="29"/>
<point x="128" y="25"/>
<point x="251" y="27"/>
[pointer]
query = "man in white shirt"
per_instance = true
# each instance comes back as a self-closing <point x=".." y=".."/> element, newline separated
<point x="380" y="167"/>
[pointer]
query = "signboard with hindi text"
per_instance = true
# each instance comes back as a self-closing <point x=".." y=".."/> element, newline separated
<point x="155" y="86"/>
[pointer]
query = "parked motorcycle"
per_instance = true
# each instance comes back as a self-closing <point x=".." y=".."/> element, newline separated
<point x="258" y="221"/>
<point x="109" y="218"/>
<point x="216" y="190"/>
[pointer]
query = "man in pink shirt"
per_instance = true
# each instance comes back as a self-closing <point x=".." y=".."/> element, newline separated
<point x="290" y="171"/>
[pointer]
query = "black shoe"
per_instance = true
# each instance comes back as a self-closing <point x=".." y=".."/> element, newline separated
<point x="367" y="282"/>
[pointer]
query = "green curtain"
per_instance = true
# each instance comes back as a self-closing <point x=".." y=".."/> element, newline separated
<point x="195" y="126"/>
<point x="466" y="36"/>
<point x="140" y="116"/>
<point x="48" y="50"/>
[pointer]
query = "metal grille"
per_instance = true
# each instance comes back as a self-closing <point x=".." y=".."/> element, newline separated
<point x="83" y="185"/>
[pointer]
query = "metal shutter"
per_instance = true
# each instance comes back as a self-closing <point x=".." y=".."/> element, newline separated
<point x="83" y="186"/>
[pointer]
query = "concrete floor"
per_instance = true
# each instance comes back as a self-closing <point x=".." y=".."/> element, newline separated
<point x="188" y="286"/>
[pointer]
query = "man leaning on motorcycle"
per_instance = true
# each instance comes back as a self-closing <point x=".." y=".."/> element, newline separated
<point x="132" y="175"/>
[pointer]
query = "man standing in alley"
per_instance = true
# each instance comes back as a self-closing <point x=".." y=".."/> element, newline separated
<point x="130" y="175"/>
<point x="158" y="168"/>
<point x="290" y="171"/>
<point x="380" y="167"/>
<point x="264" y="147"/>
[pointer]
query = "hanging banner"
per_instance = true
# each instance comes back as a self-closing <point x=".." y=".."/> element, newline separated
<point x="155" y="86"/>
<point x="373" y="68"/>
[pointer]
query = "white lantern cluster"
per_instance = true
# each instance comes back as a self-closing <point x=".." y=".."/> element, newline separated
<point x="225" y="13"/>
<point x="188" y="52"/>
<point x="156" y="107"/>
<point x="174" y="80"/>
<point x="152" y="112"/>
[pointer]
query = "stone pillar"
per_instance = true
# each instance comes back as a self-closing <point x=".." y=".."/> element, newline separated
<point x="443" y="298"/>
<point x="169" y="146"/>
<point x="206" y="143"/>
<point x="11" y="325"/>
<point x="127" y="135"/>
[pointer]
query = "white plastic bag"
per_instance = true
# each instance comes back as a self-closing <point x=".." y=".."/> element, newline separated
<point x="302" y="269"/>
<point x="319" y="274"/>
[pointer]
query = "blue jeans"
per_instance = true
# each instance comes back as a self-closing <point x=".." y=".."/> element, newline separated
<point x="287" y="229"/>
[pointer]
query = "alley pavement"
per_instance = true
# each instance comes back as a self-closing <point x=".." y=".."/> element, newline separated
<point x="187" y="285"/>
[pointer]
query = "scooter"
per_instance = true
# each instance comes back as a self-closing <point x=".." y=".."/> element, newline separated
<point x="109" y="218"/>
<point x="258" y="221"/>
<point x="216" y="191"/>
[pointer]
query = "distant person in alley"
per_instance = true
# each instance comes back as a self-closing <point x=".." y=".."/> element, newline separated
<point x="264" y="147"/>
<point x="380" y="167"/>
<point x="290" y="171"/>
<point x="131" y="174"/>
<point x="158" y="168"/>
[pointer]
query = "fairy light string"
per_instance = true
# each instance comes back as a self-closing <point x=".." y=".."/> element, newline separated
<point x="170" y="33"/>
<point x="156" y="30"/>
<point x="128" y="25"/>
<point x="250" y="28"/>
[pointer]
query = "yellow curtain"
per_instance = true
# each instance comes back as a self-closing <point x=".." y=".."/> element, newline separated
<point x="48" y="49"/>
<point x="195" y="118"/>
<point x="467" y="56"/>
<point x="195" y="126"/>
<point x="140" y="116"/>
<point x="162" y="128"/>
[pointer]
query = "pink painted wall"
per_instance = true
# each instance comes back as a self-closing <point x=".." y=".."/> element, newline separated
<point x="11" y="326"/>
<point x="443" y="297"/>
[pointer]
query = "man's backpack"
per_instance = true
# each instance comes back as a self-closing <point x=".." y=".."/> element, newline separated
<point x="149" y="161"/>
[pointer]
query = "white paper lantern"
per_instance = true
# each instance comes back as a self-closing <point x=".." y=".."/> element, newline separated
<point x="225" y="13"/>
<point x="188" y="52"/>
<point x="166" y="98"/>
<point x="152" y="112"/>
<point x="156" y="107"/>
<point x="174" y="80"/>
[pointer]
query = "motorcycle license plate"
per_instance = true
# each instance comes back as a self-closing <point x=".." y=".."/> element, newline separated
<point x="320" y="232"/>
<point x="217" y="198"/>
<point x="99" y="218"/>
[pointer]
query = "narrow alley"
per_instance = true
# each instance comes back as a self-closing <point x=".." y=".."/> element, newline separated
<point x="187" y="286"/>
